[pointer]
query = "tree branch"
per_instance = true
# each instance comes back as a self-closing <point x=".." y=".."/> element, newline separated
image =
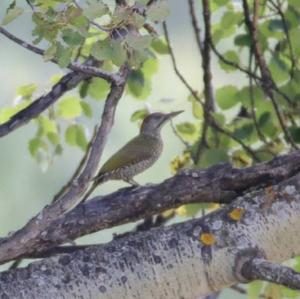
<point x="259" y="268"/>
<point x="22" y="117"/>
<point x="204" y="49"/>
<point x="32" y="232"/>
<point x="131" y="204"/>
<point x="153" y="264"/>
<point x="75" y="66"/>
<point x="176" y="70"/>
<point x="212" y="123"/>
<point x="267" y="80"/>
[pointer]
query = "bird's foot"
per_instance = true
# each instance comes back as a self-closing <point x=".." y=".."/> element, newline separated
<point x="133" y="183"/>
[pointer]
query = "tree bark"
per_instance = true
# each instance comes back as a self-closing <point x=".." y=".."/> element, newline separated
<point x="186" y="260"/>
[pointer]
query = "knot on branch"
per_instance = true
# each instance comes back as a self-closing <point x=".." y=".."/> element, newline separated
<point x="243" y="261"/>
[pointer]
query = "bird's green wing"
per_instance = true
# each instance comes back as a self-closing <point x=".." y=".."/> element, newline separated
<point x="136" y="150"/>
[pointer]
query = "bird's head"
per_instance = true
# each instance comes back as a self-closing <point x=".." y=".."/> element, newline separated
<point x="153" y="122"/>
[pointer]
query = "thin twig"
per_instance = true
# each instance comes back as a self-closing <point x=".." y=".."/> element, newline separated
<point x="211" y="120"/>
<point x="92" y="22"/>
<point x="178" y="73"/>
<point x="278" y="7"/>
<point x="75" y="66"/>
<point x="267" y="81"/>
<point x="186" y="144"/>
<point x="233" y="64"/>
<point x="204" y="49"/>
<point x="226" y="132"/>
<point x="252" y="102"/>
<point x="196" y="27"/>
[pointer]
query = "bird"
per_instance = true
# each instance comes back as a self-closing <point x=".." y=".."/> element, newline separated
<point x="137" y="155"/>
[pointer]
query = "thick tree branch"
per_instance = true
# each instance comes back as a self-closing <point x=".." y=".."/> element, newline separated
<point x="259" y="268"/>
<point x="187" y="260"/>
<point x="131" y="204"/>
<point x="32" y="232"/>
<point x="22" y="117"/>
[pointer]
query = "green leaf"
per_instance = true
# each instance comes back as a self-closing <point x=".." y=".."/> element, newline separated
<point x="186" y="128"/>
<point x="139" y="42"/>
<point x="159" y="45"/>
<point x="69" y="107"/>
<point x="143" y="2"/>
<point x="137" y="85"/>
<point x="158" y="11"/>
<point x="227" y="96"/>
<point x="264" y="119"/>
<point x="273" y="291"/>
<point x="54" y="138"/>
<point x="50" y="52"/>
<point x="98" y="89"/>
<point x="212" y="157"/>
<point x="63" y="55"/>
<point x="118" y="53"/>
<point x="35" y="144"/>
<point x="138" y="20"/>
<point x="190" y="210"/>
<point x="86" y="108"/>
<point x="295" y="133"/>
<point x="150" y="67"/>
<point x="279" y="69"/>
<point x="102" y="50"/>
<point x="6" y="114"/>
<point x="242" y="40"/>
<point x="197" y="110"/>
<point x="276" y="24"/>
<point x="26" y="90"/>
<point x="231" y="56"/>
<point x="75" y="136"/>
<point x="136" y="57"/>
<point x="244" y="131"/>
<point x="289" y="293"/>
<point x="12" y="14"/>
<point x="139" y="115"/>
<point x="95" y="9"/>
<point x="244" y="96"/>
<point x="47" y="125"/>
<point x="71" y="37"/>
<point x="230" y="19"/>
<point x="254" y="289"/>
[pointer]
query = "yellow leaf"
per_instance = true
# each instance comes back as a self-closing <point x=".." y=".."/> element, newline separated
<point x="181" y="211"/>
<point x="207" y="239"/>
<point x="213" y="206"/>
<point x="236" y="214"/>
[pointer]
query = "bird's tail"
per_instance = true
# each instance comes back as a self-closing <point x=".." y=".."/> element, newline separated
<point x="97" y="180"/>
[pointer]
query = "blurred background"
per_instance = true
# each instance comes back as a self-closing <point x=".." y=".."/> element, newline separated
<point x="25" y="188"/>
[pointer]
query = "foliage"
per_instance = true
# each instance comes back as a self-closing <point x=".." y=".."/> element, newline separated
<point x="116" y="35"/>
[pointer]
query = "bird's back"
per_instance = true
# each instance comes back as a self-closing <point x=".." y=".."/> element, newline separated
<point x="134" y="157"/>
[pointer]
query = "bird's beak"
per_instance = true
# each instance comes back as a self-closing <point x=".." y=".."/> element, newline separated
<point x="168" y="116"/>
<point x="173" y="114"/>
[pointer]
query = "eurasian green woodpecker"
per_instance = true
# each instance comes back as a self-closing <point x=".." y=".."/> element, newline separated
<point x="137" y="155"/>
